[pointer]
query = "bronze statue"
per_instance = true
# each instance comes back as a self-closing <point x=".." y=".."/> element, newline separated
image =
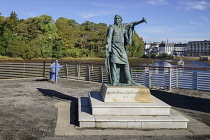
<point x="119" y="35"/>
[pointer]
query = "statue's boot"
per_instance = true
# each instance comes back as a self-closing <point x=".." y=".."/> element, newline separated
<point x="114" y="83"/>
<point x="131" y="82"/>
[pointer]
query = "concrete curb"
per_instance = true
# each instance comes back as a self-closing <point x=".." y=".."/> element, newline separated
<point x="64" y="128"/>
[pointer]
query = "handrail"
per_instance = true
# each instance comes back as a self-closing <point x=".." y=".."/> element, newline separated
<point x="150" y="76"/>
<point x="172" y="67"/>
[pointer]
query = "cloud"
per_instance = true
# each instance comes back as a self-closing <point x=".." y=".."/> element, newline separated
<point x="173" y="33"/>
<point x="31" y="14"/>
<point x="204" y="18"/>
<point x="202" y="21"/>
<point x="112" y="5"/>
<point x="87" y="15"/>
<point x="186" y="40"/>
<point x="195" y="23"/>
<point x="157" y="2"/>
<point x="198" y="5"/>
<point x="156" y="30"/>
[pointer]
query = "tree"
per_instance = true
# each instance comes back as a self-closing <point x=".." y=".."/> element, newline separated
<point x="13" y="16"/>
<point x="87" y="26"/>
<point x="58" y="50"/>
<point x="42" y="37"/>
<point x="153" y="55"/>
<point x="164" y="55"/>
<point x="2" y="41"/>
<point x="99" y="39"/>
<point x="136" y="49"/>
<point x="68" y="32"/>
<point x="92" y="38"/>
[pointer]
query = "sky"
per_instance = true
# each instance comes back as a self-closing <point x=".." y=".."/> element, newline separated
<point x="172" y="20"/>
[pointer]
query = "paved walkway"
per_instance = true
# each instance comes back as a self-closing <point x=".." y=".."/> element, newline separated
<point x="64" y="128"/>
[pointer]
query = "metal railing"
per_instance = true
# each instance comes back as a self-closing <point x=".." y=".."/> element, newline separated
<point x="174" y="77"/>
<point x="151" y="77"/>
<point x="23" y="70"/>
<point x="87" y="72"/>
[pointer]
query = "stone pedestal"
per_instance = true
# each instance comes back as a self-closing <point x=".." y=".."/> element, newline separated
<point x="104" y="110"/>
<point x="125" y="94"/>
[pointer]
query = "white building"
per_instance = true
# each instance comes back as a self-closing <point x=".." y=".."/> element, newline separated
<point x="180" y="48"/>
<point x="152" y="47"/>
<point x="166" y="48"/>
<point x="193" y="48"/>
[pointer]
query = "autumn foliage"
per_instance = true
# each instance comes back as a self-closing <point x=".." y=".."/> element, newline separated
<point x="42" y="37"/>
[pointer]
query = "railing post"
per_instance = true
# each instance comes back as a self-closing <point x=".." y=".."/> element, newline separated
<point x="76" y="71"/>
<point x="195" y="77"/>
<point x="169" y="79"/>
<point x="37" y="69"/>
<point x="79" y="71"/>
<point x="101" y="74"/>
<point x="131" y="71"/>
<point x="88" y="72"/>
<point x="177" y="80"/>
<point x="10" y="70"/>
<point x="67" y="71"/>
<point x="44" y="64"/>
<point x="24" y="69"/>
<point x="150" y="78"/>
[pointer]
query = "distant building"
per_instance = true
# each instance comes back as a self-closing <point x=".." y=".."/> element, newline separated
<point x="193" y="48"/>
<point x="180" y="49"/>
<point x="147" y="48"/>
<point x="150" y="48"/>
<point x="166" y="47"/>
<point x="196" y="48"/>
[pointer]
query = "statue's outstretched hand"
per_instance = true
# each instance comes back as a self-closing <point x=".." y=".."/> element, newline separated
<point x="144" y="20"/>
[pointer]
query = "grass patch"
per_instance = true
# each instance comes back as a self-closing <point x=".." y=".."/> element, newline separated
<point x="85" y="60"/>
<point x="6" y="58"/>
<point x="188" y="58"/>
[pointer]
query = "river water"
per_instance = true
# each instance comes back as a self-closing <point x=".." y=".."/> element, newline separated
<point x="185" y="77"/>
<point x="173" y="63"/>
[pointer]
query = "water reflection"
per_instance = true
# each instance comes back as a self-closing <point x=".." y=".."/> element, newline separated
<point x="174" y="63"/>
<point x="166" y="74"/>
<point x="162" y="63"/>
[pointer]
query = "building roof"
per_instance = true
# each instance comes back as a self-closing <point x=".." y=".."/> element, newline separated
<point x="199" y="41"/>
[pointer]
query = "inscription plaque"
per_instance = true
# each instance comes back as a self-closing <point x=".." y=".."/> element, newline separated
<point x="125" y="94"/>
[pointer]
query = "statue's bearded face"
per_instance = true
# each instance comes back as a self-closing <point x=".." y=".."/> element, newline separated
<point x="117" y="20"/>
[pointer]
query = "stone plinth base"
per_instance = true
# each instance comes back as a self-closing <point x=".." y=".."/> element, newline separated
<point x="98" y="107"/>
<point x="127" y="107"/>
<point x="125" y="94"/>
<point x="162" y="119"/>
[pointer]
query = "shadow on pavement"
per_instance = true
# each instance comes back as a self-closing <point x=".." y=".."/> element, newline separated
<point x="182" y="101"/>
<point x="42" y="80"/>
<point x="56" y="94"/>
<point x="73" y="106"/>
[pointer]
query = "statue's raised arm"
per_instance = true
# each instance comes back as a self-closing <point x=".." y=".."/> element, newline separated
<point x="141" y="21"/>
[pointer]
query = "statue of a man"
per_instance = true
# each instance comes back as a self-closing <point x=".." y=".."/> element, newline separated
<point x="119" y="35"/>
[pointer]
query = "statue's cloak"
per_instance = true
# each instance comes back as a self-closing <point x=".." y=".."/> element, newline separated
<point x="117" y="39"/>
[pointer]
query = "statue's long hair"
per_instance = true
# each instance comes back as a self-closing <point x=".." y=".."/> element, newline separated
<point x="118" y="16"/>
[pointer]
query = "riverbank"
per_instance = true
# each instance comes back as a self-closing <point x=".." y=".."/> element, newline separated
<point x="187" y="58"/>
<point x="87" y="59"/>
<point x="28" y="112"/>
<point x="100" y="61"/>
<point x="193" y="59"/>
